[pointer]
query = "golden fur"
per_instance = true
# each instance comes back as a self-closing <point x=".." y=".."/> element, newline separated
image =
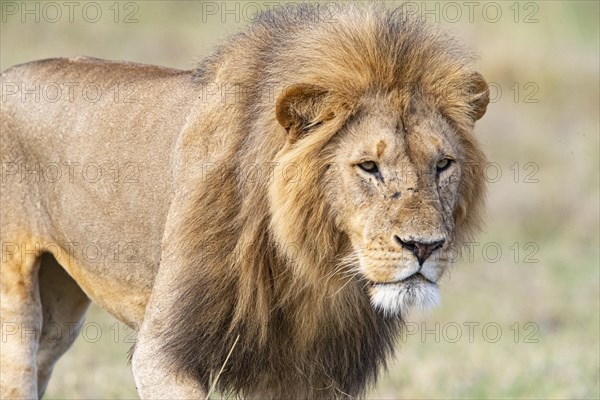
<point x="272" y="235"/>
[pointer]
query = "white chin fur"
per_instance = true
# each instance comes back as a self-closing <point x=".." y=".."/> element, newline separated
<point x="403" y="298"/>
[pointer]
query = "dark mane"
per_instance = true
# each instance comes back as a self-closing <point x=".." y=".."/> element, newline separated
<point x="317" y="333"/>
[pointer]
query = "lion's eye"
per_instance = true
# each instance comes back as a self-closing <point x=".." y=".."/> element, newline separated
<point x="369" y="166"/>
<point x="443" y="164"/>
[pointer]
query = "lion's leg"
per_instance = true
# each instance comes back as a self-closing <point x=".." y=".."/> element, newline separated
<point x="154" y="375"/>
<point x="153" y="370"/>
<point x="64" y="305"/>
<point x="20" y="318"/>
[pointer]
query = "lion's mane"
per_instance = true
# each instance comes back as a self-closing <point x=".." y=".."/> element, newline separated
<point x="261" y="251"/>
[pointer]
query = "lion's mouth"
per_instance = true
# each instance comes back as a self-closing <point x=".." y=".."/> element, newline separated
<point x="415" y="278"/>
<point x="415" y="292"/>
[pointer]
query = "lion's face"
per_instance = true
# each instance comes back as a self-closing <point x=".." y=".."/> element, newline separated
<point x="394" y="190"/>
<point x="400" y="183"/>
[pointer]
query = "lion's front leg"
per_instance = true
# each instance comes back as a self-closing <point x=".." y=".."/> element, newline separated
<point x="154" y="372"/>
<point x="170" y="359"/>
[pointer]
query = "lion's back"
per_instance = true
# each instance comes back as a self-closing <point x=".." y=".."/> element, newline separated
<point x="86" y="126"/>
<point x="87" y="148"/>
<point x="63" y="99"/>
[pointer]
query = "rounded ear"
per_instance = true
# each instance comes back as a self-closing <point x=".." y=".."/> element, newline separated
<point x="479" y="95"/>
<point x="301" y="107"/>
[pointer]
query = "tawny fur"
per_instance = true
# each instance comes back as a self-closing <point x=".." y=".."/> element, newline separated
<point x="300" y="334"/>
<point x="253" y="223"/>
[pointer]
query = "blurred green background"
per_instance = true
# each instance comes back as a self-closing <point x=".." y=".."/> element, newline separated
<point x="520" y="313"/>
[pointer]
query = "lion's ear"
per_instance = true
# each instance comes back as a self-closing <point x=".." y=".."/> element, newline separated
<point x="479" y="95"/>
<point x="301" y="107"/>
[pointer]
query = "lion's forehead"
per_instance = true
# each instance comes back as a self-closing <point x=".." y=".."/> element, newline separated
<point x="396" y="139"/>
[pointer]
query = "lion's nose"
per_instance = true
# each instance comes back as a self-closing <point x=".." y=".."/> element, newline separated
<point x="421" y="250"/>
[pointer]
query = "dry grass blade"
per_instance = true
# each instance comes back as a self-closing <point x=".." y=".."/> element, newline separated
<point x="214" y="384"/>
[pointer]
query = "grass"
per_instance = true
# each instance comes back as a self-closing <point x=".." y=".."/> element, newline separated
<point x="559" y="133"/>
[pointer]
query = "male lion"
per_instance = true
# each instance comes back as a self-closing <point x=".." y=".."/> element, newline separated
<point x="264" y="221"/>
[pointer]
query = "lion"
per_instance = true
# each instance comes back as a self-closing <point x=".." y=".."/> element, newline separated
<point x="265" y="222"/>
